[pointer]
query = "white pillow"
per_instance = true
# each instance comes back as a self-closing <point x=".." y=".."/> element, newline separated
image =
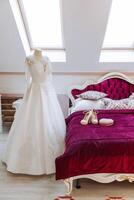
<point x="131" y="96"/>
<point x="92" y="95"/>
<point x="82" y="104"/>
<point x="111" y="104"/>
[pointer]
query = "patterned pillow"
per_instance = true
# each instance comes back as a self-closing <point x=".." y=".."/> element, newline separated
<point x="130" y="104"/>
<point x="92" y="95"/>
<point x="111" y="104"/>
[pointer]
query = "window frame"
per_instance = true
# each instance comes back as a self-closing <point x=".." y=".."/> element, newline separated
<point x="27" y="31"/>
<point x="118" y="48"/>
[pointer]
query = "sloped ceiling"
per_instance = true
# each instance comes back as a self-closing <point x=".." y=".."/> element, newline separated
<point x="84" y="24"/>
<point x="12" y="54"/>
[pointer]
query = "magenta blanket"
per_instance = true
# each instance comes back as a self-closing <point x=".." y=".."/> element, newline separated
<point x="97" y="149"/>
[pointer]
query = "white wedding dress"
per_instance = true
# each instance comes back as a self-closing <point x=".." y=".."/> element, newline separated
<point x="38" y="132"/>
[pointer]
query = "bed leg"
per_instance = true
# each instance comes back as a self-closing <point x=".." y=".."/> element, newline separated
<point x="78" y="185"/>
<point x="69" y="184"/>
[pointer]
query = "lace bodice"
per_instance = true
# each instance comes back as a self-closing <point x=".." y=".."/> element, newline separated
<point x="38" y="71"/>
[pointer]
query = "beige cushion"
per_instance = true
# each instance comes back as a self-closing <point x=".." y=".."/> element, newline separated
<point x="106" y="122"/>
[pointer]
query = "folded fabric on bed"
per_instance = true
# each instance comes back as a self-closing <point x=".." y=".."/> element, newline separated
<point x="97" y="149"/>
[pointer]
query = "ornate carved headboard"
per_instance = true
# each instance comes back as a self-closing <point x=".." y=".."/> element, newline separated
<point x="116" y="85"/>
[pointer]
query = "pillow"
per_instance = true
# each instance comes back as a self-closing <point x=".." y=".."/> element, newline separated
<point x="106" y="122"/>
<point x="130" y="104"/>
<point x="111" y="104"/>
<point x="82" y="104"/>
<point x="131" y="96"/>
<point x="92" y="95"/>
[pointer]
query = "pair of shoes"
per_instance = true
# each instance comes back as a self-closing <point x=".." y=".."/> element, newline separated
<point x="86" y="118"/>
<point x="94" y="119"/>
<point x="90" y="117"/>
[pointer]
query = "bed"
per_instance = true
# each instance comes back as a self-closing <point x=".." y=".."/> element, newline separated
<point x="103" y="154"/>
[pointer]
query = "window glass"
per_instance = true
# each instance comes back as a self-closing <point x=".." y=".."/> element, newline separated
<point x="42" y="20"/>
<point x="120" y="28"/>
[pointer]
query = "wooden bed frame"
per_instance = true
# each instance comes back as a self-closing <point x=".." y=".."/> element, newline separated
<point x="99" y="177"/>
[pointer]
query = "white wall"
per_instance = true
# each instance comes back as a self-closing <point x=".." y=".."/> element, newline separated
<point x="84" y="28"/>
<point x="16" y="83"/>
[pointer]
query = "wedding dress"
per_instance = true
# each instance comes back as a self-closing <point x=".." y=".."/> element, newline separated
<point x="37" y="135"/>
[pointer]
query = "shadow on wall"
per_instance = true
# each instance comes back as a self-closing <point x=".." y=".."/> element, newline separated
<point x="64" y="103"/>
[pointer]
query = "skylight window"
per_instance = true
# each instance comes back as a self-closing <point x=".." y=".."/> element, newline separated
<point x="120" y="29"/>
<point x="42" y="21"/>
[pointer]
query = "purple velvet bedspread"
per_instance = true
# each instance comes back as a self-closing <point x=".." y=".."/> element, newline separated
<point x="97" y="149"/>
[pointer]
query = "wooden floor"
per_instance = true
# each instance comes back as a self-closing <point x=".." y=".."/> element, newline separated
<point x="20" y="187"/>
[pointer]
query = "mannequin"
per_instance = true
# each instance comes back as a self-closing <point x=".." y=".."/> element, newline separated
<point x="38" y="53"/>
<point x="37" y="56"/>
